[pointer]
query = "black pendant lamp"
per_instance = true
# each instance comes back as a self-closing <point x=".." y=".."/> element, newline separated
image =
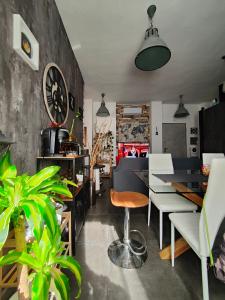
<point x="103" y="111"/>
<point x="154" y="52"/>
<point x="181" y="112"/>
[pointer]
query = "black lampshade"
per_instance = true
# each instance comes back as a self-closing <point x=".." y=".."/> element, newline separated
<point x="154" y="52"/>
<point x="181" y="112"/>
<point x="103" y="111"/>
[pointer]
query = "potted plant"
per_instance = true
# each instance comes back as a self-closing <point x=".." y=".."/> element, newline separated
<point x="27" y="198"/>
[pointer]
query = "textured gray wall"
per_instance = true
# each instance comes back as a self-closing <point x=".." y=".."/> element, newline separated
<point x="22" y="110"/>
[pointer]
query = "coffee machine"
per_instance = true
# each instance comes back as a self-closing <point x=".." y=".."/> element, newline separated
<point x="52" y="138"/>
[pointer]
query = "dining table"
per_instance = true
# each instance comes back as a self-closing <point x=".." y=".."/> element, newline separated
<point x="190" y="185"/>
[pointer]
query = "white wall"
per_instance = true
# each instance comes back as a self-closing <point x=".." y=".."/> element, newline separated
<point x="88" y="121"/>
<point x="160" y="113"/>
<point x="110" y="121"/>
<point x="168" y="111"/>
<point x="156" y="121"/>
<point x="164" y="113"/>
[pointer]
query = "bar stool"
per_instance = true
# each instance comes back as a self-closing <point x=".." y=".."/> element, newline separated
<point x="128" y="253"/>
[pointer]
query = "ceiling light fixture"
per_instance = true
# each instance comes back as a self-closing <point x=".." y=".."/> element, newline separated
<point x="154" y="52"/>
<point x="181" y="112"/>
<point x="103" y="111"/>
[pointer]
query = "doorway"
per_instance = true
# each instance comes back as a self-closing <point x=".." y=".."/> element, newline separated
<point x="174" y="139"/>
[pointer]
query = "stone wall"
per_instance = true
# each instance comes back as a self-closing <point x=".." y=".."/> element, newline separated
<point x="22" y="110"/>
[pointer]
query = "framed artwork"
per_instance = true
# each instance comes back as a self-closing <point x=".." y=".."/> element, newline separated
<point x="25" y="43"/>
<point x="194" y="130"/>
<point x="72" y="102"/>
<point x="193" y="141"/>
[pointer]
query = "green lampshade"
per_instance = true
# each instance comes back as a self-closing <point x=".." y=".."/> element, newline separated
<point x="103" y="111"/>
<point x="181" y="111"/>
<point x="154" y="52"/>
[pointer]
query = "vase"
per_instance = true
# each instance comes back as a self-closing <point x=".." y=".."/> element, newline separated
<point x="92" y="193"/>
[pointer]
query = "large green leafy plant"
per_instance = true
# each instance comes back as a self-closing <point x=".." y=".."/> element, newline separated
<point x="29" y="199"/>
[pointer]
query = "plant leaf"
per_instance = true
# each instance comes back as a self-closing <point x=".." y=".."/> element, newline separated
<point x="40" y="286"/>
<point x="48" y="212"/>
<point x="61" y="283"/>
<point x="70" y="263"/>
<point x="34" y="217"/>
<point x="43" y="175"/>
<point x="10" y="173"/>
<point x="69" y="182"/>
<point x="21" y="258"/>
<point x="2" y="192"/>
<point x="44" y="247"/>
<point x="58" y="189"/>
<point x="47" y="183"/>
<point x="4" y="224"/>
<point x="5" y="162"/>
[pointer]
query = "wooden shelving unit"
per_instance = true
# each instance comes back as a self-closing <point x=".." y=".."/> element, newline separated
<point x="79" y="204"/>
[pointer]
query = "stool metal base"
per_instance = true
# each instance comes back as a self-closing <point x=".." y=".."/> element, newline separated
<point x="120" y="254"/>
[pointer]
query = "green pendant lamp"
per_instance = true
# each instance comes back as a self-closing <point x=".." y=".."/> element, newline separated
<point x="154" y="52"/>
<point x="181" y="112"/>
<point x="103" y="111"/>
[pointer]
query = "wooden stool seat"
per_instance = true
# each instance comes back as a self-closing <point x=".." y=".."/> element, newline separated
<point x="128" y="199"/>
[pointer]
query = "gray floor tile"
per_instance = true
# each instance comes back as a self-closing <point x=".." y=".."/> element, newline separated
<point x="156" y="280"/>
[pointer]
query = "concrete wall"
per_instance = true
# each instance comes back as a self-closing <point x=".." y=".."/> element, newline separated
<point x="22" y="110"/>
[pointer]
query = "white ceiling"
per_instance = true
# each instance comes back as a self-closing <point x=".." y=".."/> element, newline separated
<point x="106" y="35"/>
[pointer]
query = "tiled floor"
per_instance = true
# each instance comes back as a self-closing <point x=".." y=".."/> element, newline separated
<point x="156" y="280"/>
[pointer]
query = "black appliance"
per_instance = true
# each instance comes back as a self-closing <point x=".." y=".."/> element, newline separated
<point x="52" y="138"/>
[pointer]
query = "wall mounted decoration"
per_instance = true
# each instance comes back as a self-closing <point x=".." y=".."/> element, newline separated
<point x="132" y="128"/>
<point x="55" y="94"/>
<point x="72" y="102"/>
<point x="193" y="130"/>
<point x="193" y="141"/>
<point x="25" y="43"/>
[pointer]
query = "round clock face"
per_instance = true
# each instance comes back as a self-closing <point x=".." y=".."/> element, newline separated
<point x="55" y="94"/>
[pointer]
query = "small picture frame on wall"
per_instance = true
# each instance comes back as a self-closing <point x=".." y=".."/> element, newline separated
<point x="194" y="130"/>
<point x="25" y="43"/>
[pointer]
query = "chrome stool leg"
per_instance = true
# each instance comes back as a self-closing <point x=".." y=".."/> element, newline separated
<point x="129" y="253"/>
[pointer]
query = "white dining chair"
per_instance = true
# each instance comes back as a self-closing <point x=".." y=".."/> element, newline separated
<point x="166" y="202"/>
<point x="208" y="157"/>
<point x="192" y="226"/>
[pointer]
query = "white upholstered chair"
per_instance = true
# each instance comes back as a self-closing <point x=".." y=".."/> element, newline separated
<point x="208" y="157"/>
<point x="192" y="225"/>
<point x="170" y="202"/>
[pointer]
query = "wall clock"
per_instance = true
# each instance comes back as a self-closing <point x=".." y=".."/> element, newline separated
<point x="55" y="94"/>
